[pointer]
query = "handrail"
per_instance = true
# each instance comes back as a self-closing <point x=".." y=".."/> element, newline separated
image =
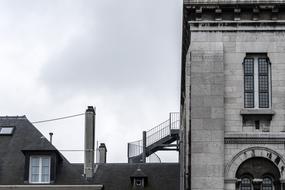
<point x="155" y="134"/>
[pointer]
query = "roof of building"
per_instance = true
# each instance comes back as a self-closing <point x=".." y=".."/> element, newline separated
<point x="159" y="175"/>
<point x="117" y="176"/>
<point x="26" y="137"/>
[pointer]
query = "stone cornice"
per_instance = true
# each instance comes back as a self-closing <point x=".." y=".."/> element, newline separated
<point x="235" y="12"/>
<point x="255" y="138"/>
<point x="233" y="2"/>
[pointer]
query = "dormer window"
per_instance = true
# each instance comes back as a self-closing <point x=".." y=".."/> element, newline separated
<point x="41" y="166"/>
<point x="138" y="179"/>
<point x="138" y="182"/>
<point x="39" y="169"/>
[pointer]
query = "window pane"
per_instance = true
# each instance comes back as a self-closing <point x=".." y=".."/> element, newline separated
<point x="263" y="83"/>
<point x="45" y="170"/>
<point x="249" y="100"/>
<point x="45" y="177"/>
<point x="6" y="130"/>
<point x="45" y="161"/>
<point x="248" y="83"/>
<point x="35" y="178"/>
<point x="248" y="66"/>
<point x="35" y="170"/>
<point x="35" y="161"/>
<point x="245" y="184"/>
<point x="262" y="66"/>
<point x="264" y="100"/>
<point x="267" y="184"/>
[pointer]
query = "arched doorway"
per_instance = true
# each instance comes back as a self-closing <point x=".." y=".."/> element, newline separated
<point x="258" y="173"/>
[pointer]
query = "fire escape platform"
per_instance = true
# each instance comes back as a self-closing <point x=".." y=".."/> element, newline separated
<point x="160" y="138"/>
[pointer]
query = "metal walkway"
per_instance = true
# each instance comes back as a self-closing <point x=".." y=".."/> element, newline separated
<point x="158" y="138"/>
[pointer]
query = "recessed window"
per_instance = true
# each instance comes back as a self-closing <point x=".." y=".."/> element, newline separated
<point x="39" y="169"/>
<point x="6" y="130"/>
<point x="138" y="182"/>
<point x="257" y="84"/>
<point x="267" y="184"/>
<point x="245" y="184"/>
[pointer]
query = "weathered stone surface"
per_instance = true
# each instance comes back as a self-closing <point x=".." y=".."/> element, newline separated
<point x="216" y="85"/>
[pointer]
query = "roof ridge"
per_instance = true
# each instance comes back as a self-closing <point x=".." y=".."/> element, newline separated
<point x="13" y="117"/>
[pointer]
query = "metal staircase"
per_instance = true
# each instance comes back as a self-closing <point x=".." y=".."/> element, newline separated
<point x="158" y="138"/>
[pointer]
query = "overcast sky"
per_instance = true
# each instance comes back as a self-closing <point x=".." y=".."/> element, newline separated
<point x="122" y="56"/>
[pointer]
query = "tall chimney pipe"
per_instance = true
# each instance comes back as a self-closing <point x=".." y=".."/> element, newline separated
<point x="50" y="137"/>
<point x="89" y="142"/>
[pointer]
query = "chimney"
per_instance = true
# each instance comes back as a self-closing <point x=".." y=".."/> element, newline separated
<point x="50" y="137"/>
<point x="102" y="154"/>
<point x="89" y="142"/>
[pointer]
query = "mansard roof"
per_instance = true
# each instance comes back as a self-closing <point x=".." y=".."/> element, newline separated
<point x="117" y="176"/>
<point x="26" y="137"/>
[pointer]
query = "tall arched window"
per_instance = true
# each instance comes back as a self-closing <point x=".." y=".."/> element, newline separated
<point x="245" y="184"/>
<point x="267" y="183"/>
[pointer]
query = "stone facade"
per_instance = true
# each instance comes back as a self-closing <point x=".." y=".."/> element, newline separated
<point x="220" y="134"/>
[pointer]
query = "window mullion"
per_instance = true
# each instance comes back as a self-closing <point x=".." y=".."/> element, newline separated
<point x="40" y="170"/>
<point x="256" y="84"/>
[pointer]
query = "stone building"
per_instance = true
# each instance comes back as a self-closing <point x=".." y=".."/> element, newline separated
<point x="233" y="95"/>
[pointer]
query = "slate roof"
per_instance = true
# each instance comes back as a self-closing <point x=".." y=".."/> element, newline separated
<point x="117" y="176"/>
<point x="113" y="176"/>
<point x="27" y="137"/>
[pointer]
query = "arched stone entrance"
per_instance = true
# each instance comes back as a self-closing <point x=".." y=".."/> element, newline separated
<point x="255" y="168"/>
<point x="258" y="173"/>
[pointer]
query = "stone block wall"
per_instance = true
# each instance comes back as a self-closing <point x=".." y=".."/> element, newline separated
<point x="207" y="115"/>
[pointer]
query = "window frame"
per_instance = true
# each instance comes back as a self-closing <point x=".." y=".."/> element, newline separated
<point x="7" y="134"/>
<point x="266" y="186"/>
<point x="246" y="186"/>
<point x="257" y="81"/>
<point x="40" y="181"/>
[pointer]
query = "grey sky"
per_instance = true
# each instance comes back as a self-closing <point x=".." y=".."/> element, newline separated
<point x="58" y="56"/>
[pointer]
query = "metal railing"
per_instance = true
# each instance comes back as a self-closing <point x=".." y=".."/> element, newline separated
<point x="155" y="134"/>
<point x="135" y="148"/>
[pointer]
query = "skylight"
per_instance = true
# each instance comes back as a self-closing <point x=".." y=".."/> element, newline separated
<point x="6" y="130"/>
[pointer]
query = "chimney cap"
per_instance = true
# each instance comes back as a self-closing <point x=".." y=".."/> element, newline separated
<point x="90" y="109"/>
<point x="102" y="145"/>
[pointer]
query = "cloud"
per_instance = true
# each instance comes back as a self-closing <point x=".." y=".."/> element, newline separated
<point x="120" y="49"/>
<point x="121" y="56"/>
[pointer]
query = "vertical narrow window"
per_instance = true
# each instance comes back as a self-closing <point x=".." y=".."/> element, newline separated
<point x="257" y="85"/>
<point x="249" y="83"/>
<point x="39" y="169"/>
<point x="263" y="83"/>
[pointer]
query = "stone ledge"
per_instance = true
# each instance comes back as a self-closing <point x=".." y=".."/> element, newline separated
<point x="256" y="135"/>
<point x="197" y="27"/>
<point x="257" y="112"/>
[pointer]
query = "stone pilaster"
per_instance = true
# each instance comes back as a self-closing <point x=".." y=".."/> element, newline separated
<point x="207" y="115"/>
